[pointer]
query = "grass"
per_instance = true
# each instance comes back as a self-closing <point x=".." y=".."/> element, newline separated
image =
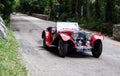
<point x="10" y="62"/>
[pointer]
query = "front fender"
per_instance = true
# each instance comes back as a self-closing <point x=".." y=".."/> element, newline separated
<point x="65" y="37"/>
<point x="96" y="37"/>
<point x="47" y="36"/>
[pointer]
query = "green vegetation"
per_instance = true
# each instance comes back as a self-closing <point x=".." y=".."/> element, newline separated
<point x="98" y="15"/>
<point x="10" y="62"/>
<point x="6" y="7"/>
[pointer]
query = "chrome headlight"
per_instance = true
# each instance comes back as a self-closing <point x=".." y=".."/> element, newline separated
<point x="75" y="35"/>
<point x="88" y="36"/>
<point x="87" y="43"/>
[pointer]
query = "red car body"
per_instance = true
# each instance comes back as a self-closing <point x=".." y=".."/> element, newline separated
<point x="72" y="39"/>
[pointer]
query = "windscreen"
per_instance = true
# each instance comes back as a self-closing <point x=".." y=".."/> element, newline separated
<point x="67" y="25"/>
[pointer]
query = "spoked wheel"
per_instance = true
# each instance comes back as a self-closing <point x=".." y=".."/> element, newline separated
<point x="97" y="49"/>
<point x="44" y="42"/>
<point x="62" y="48"/>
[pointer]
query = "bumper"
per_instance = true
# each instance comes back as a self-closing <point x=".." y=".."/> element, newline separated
<point x="83" y="48"/>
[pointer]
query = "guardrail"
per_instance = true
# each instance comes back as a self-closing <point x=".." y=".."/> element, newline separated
<point x="3" y="29"/>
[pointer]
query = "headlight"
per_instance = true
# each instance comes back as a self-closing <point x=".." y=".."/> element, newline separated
<point x="75" y="35"/>
<point x="87" y="43"/>
<point x="88" y="36"/>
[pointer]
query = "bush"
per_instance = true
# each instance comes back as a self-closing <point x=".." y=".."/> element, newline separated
<point x="63" y="17"/>
<point x="107" y="28"/>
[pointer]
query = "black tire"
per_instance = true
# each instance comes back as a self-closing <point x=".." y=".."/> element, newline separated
<point x="44" y="42"/>
<point x="62" y="48"/>
<point x="97" y="49"/>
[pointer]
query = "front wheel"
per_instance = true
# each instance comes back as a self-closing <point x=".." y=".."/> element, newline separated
<point x="44" y="42"/>
<point x="62" y="48"/>
<point x="97" y="49"/>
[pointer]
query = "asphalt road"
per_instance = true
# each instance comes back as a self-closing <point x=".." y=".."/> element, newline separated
<point x="42" y="62"/>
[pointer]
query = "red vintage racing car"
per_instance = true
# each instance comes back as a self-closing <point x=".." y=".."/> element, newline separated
<point x="67" y="36"/>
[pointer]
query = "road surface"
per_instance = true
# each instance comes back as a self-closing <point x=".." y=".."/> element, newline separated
<point x="42" y="62"/>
